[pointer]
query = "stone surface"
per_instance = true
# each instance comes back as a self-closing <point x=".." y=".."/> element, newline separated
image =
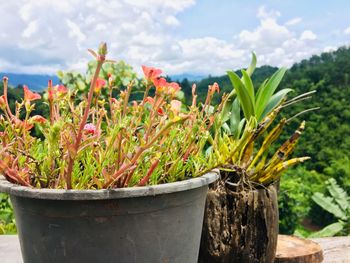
<point x="335" y="249"/>
<point x="10" y="251"/>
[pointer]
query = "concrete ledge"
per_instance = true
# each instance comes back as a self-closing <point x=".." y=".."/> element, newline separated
<point x="335" y="249"/>
<point x="10" y="251"/>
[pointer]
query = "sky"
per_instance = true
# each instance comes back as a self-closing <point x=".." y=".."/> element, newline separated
<point x="184" y="36"/>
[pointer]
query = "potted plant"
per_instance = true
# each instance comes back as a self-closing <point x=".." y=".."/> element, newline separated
<point x="107" y="180"/>
<point x="241" y="215"/>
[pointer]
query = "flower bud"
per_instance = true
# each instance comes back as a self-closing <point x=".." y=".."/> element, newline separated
<point x="102" y="49"/>
<point x="2" y="102"/>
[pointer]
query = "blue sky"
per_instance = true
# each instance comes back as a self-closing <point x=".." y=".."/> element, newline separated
<point x="183" y="36"/>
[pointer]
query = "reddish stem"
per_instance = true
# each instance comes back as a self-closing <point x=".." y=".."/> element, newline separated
<point x="145" y="179"/>
<point x="100" y="61"/>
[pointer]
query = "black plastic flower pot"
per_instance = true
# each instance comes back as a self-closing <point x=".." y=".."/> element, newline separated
<point x="161" y="223"/>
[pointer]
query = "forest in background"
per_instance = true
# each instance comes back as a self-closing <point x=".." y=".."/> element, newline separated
<point x="326" y="138"/>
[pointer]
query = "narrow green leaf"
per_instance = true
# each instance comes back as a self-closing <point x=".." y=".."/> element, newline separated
<point x="252" y="65"/>
<point x="265" y="94"/>
<point x="247" y="81"/>
<point x="329" y="231"/>
<point x="275" y="100"/>
<point x="226" y="128"/>
<point x="240" y="127"/>
<point x="261" y="87"/>
<point x="235" y="117"/>
<point x="242" y="94"/>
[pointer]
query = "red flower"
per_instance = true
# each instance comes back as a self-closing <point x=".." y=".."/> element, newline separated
<point x="151" y="73"/>
<point x="61" y="89"/>
<point x="89" y="128"/>
<point x="29" y="95"/>
<point x="38" y="119"/>
<point x="160" y="84"/>
<point x="100" y="83"/>
<point x="160" y="111"/>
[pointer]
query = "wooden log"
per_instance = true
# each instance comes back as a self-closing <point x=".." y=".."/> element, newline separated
<point x="292" y="249"/>
<point x="239" y="226"/>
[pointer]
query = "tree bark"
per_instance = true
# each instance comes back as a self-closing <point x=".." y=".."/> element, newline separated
<point x="239" y="226"/>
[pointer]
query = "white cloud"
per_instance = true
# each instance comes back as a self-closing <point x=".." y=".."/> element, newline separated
<point x="263" y="13"/>
<point x="329" y="48"/>
<point x="30" y="29"/>
<point x="347" y="31"/>
<point x="293" y="21"/>
<point x="49" y="35"/>
<point x="308" y="35"/>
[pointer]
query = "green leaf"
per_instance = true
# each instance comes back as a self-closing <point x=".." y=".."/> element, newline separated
<point x="267" y="91"/>
<point x="243" y="95"/>
<point x="327" y="203"/>
<point x="248" y="84"/>
<point x="226" y="128"/>
<point x="240" y="127"/>
<point x="328" y="231"/>
<point x="235" y="118"/>
<point x="226" y="112"/>
<point x="339" y="195"/>
<point x="252" y="65"/>
<point x="274" y="102"/>
<point x="261" y="87"/>
<point x="81" y="85"/>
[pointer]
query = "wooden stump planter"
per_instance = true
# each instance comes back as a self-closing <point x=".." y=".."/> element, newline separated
<point x="239" y="225"/>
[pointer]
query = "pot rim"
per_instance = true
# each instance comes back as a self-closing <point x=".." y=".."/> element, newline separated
<point x="129" y="192"/>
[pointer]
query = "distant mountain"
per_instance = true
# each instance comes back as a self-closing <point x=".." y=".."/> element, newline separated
<point x="34" y="82"/>
<point x="189" y="77"/>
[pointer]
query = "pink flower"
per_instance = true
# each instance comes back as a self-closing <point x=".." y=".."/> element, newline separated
<point x="114" y="100"/>
<point x="89" y="128"/>
<point x="29" y="95"/>
<point x="175" y="106"/>
<point x="100" y="83"/>
<point x="151" y="73"/>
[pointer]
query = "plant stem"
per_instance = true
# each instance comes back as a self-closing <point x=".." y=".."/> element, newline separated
<point x="68" y="178"/>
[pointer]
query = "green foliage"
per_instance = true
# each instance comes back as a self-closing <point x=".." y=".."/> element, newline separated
<point x="7" y="221"/>
<point x="336" y="203"/>
<point x="296" y="189"/>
